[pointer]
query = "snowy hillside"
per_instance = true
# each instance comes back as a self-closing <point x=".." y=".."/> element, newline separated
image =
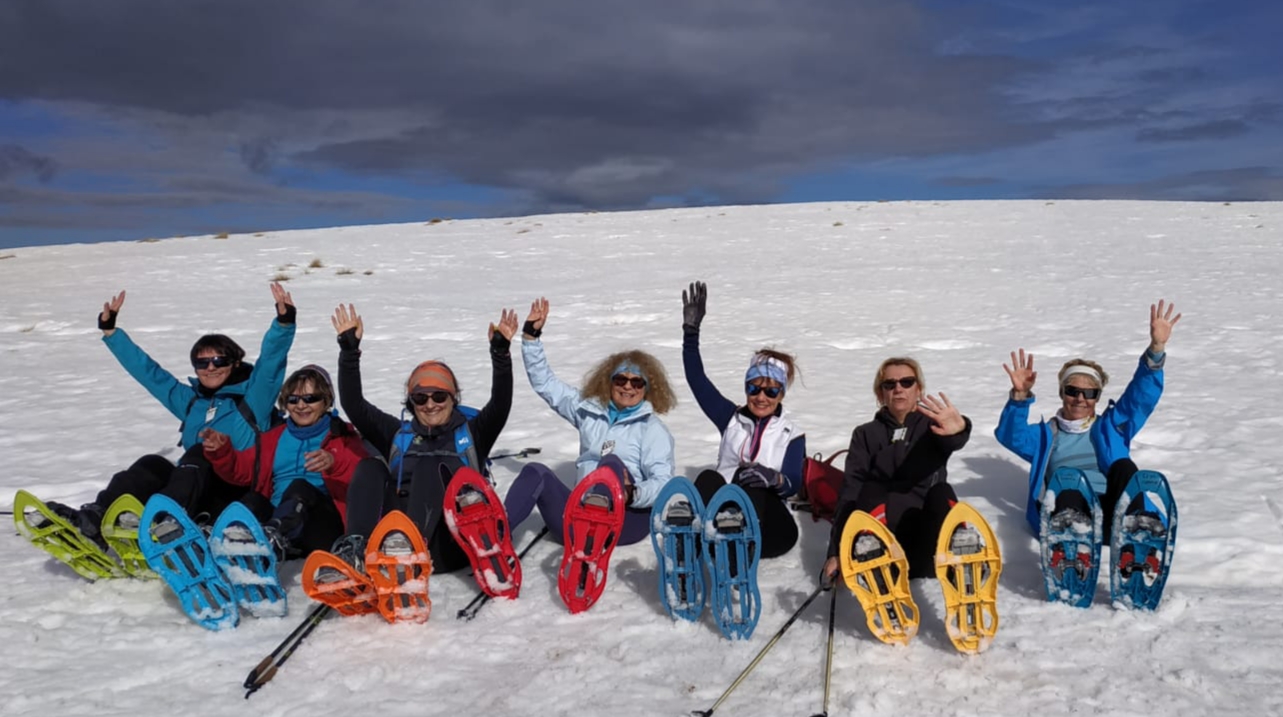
<point x="956" y="285"/>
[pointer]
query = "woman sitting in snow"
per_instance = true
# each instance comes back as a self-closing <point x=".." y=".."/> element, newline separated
<point x="617" y="413"/>
<point x="896" y="467"/>
<point x="762" y="450"/>
<point x="299" y="474"/>
<point x="413" y="478"/>
<point x="228" y="394"/>
<point x="1076" y="437"/>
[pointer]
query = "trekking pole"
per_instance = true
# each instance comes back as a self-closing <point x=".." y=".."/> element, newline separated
<point x="470" y="610"/>
<point x="828" y="661"/>
<point x="709" y="712"/>
<point x="523" y="453"/>
<point x="266" y="670"/>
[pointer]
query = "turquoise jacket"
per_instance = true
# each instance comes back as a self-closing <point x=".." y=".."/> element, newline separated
<point x="198" y="410"/>
<point x="640" y="439"/>
<point x="1111" y="433"/>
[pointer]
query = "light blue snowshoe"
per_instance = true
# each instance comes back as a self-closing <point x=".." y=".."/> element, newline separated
<point x="1142" y="542"/>
<point x="676" y="520"/>
<point x="247" y="559"/>
<point x="176" y="549"/>
<point x="1070" y="541"/>
<point x="732" y="548"/>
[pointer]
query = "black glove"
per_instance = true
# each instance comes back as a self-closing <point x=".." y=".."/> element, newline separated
<point x="286" y="315"/>
<point x="694" y="304"/>
<point x="529" y="329"/>
<point x="348" y="340"/>
<point x="109" y="323"/>
<point x="756" y="476"/>
<point x="499" y="344"/>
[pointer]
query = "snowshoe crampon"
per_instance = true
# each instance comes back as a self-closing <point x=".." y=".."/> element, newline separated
<point x="876" y="571"/>
<point x="968" y="562"/>
<point x="399" y="566"/>
<point x="676" y="535"/>
<point x="329" y="579"/>
<point x="475" y="516"/>
<point x="120" y="530"/>
<point x="1143" y="540"/>
<point x="176" y="549"/>
<point x="732" y="548"/>
<point x="1070" y="538"/>
<point x="248" y="561"/>
<point x="592" y="523"/>
<point x="51" y="533"/>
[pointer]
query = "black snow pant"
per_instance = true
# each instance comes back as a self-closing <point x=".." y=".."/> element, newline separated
<point x="916" y="527"/>
<point x="192" y="483"/>
<point x="307" y="518"/>
<point x="778" y="527"/>
<point x="374" y="493"/>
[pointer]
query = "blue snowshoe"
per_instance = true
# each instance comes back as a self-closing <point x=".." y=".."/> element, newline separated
<point x="676" y="521"/>
<point x="1070" y="539"/>
<point x="732" y="547"/>
<point x="176" y="549"/>
<point x="248" y="560"/>
<point x="1142" y="542"/>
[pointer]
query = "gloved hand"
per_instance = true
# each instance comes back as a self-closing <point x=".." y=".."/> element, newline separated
<point x="756" y="476"/>
<point x="694" y="303"/>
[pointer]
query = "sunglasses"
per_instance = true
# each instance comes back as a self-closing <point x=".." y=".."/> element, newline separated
<point x="636" y="382"/>
<point x="211" y="362"/>
<point x="308" y="398"/>
<point x="420" y="399"/>
<point x="1091" y="394"/>
<point x="753" y="389"/>
<point x="906" y="382"/>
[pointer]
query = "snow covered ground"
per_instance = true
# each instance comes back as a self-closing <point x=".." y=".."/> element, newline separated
<point x="957" y="285"/>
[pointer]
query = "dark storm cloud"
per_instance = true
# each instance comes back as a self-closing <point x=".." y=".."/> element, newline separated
<point x="1219" y="129"/>
<point x="1238" y="184"/>
<point x="15" y="160"/>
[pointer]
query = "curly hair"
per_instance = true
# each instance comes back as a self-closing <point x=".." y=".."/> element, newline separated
<point x="789" y="361"/>
<point x="658" y="391"/>
<point x="897" y="361"/>
<point x="1104" y="377"/>
<point x="294" y="385"/>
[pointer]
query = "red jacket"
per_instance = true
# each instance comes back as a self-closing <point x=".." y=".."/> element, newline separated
<point x="237" y="467"/>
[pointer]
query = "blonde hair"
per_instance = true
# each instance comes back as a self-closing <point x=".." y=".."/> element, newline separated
<point x="789" y="361"/>
<point x="658" y="391"/>
<point x="1104" y="377"/>
<point x="897" y="361"/>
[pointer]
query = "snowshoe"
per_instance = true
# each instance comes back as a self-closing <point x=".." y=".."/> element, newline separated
<point x="399" y="566"/>
<point x="733" y="547"/>
<point x="176" y="549"/>
<point x="592" y="523"/>
<point x="54" y="534"/>
<point x="1070" y="539"/>
<point x="476" y="519"/>
<point x="1142" y="541"/>
<point x="676" y="521"/>
<point x="968" y="562"/>
<point x="120" y="530"/>
<point x="245" y="555"/>
<point x="876" y="571"/>
<point x="329" y="579"/>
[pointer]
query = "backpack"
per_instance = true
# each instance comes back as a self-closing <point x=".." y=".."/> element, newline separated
<point x="465" y="448"/>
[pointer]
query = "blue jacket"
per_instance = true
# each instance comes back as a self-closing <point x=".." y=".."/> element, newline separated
<point x="192" y="406"/>
<point x="641" y="440"/>
<point x="1111" y="433"/>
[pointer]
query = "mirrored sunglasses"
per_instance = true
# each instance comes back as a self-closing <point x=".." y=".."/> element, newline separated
<point x="753" y="389"/>
<point x="1091" y="394"/>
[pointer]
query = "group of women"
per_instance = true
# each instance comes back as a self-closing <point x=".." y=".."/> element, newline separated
<point x="317" y="482"/>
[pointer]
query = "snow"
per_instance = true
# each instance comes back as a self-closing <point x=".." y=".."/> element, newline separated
<point x="843" y="285"/>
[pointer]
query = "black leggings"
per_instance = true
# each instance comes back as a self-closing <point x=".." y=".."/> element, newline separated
<point x="374" y="493"/>
<point x="308" y="518"/>
<point x="192" y="483"/>
<point x="779" y="528"/>
<point x="1115" y="482"/>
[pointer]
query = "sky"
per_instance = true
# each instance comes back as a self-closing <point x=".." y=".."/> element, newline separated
<point x="956" y="285"/>
<point x="144" y="119"/>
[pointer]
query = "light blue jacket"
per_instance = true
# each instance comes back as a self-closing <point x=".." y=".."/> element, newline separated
<point x="193" y="407"/>
<point x="1111" y="433"/>
<point x="641" y="440"/>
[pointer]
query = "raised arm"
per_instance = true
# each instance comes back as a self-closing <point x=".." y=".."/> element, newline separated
<point x="269" y="370"/>
<point x="375" y="425"/>
<point x="173" y="394"/>
<point x="492" y="417"/>
<point x="561" y="396"/>
<point x="719" y="409"/>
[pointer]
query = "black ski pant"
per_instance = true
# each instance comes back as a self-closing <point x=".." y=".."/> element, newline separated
<point x="1115" y="482"/>
<point x="916" y="525"/>
<point x="374" y="493"/>
<point x="192" y="483"/>
<point x="777" y="525"/>
<point x="307" y="517"/>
